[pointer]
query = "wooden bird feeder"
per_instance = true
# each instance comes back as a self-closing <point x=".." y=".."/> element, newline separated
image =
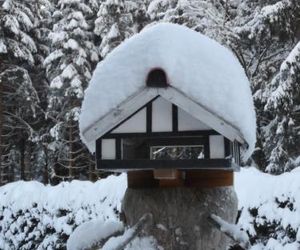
<point x="164" y="143"/>
<point x="171" y="108"/>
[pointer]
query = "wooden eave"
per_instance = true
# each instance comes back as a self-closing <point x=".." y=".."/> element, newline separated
<point x="145" y="95"/>
<point x="118" y="114"/>
<point x="202" y="113"/>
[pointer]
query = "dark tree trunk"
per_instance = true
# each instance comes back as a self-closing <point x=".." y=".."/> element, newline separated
<point x="71" y="150"/>
<point x="22" y="158"/>
<point x="27" y="161"/>
<point x="45" y="170"/>
<point x="91" y="172"/>
<point x="1" y="126"/>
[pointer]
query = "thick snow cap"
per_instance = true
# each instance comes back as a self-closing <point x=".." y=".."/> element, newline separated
<point x="196" y="65"/>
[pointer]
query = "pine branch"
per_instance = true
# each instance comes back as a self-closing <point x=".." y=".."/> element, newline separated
<point x="129" y="235"/>
<point x="232" y="231"/>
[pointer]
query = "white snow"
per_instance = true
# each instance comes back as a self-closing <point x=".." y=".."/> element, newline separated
<point x="77" y="15"/>
<point x="233" y="230"/>
<point x="58" y="209"/>
<point x="58" y="36"/>
<point x="3" y="48"/>
<point x="113" y="242"/>
<point x="7" y="4"/>
<point x="264" y="190"/>
<point x="28" y="42"/>
<point x="95" y="202"/>
<point x="114" y="32"/>
<point x="12" y="24"/>
<point x="293" y="58"/>
<point x="156" y="5"/>
<point x="277" y="199"/>
<point x="53" y="56"/>
<point x="271" y="11"/>
<point x="76" y="82"/>
<point x="92" y="232"/>
<point x="56" y="83"/>
<point x="24" y="19"/>
<point x="21" y="195"/>
<point x="71" y="44"/>
<point x="147" y="243"/>
<point x="281" y="83"/>
<point x="69" y="72"/>
<point x="195" y="64"/>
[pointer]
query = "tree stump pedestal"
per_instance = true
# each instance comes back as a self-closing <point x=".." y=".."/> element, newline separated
<point x="180" y="215"/>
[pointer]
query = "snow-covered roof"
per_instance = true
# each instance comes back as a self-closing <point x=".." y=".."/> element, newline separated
<point x="195" y="65"/>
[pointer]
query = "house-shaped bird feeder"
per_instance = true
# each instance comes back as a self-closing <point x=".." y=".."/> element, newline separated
<point x="170" y="107"/>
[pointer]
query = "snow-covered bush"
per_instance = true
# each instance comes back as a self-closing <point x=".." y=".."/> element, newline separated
<point x="92" y="233"/>
<point x="269" y="208"/>
<point x="34" y="216"/>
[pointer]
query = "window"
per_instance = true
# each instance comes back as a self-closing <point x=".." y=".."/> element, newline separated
<point x="179" y="152"/>
<point x="165" y="148"/>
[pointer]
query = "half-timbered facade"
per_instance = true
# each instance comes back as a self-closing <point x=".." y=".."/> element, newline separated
<point x="162" y="132"/>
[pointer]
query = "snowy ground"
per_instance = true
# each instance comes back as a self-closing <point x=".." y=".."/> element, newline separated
<point x="34" y="216"/>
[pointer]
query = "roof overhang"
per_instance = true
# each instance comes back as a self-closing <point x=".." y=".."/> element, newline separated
<point x="105" y="123"/>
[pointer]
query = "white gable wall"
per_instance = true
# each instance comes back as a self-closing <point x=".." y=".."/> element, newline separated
<point x="161" y="120"/>
<point x="186" y="122"/>
<point x="161" y="115"/>
<point x="168" y="96"/>
<point x="136" y="124"/>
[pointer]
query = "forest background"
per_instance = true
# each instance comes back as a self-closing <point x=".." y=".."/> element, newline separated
<point x="49" y="49"/>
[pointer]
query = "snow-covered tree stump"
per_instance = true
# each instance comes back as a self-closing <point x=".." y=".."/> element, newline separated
<point x="180" y="215"/>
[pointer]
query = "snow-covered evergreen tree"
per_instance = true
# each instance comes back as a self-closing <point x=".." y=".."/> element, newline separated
<point x="208" y="17"/>
<point x="41" y="31"/>
<point x="118" y="20"/>
<point x="266" y="33"/>
<point x="69" y="67"/>
<point x="17" y="20"/>
<point x="283" y="132"/>
<point x="261" y="34"/>
<point x="18" y="95"/>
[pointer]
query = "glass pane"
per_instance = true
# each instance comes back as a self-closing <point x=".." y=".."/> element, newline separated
<point x="184" y="152"/>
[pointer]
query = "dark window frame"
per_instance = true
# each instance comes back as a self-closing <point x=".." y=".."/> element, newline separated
<point x="145" y="164"/>
<point x="181" y="141"/>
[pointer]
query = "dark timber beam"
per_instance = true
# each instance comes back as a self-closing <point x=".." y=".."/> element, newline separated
<point x="143" y="164"/>
<point x="162" y="134"/>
